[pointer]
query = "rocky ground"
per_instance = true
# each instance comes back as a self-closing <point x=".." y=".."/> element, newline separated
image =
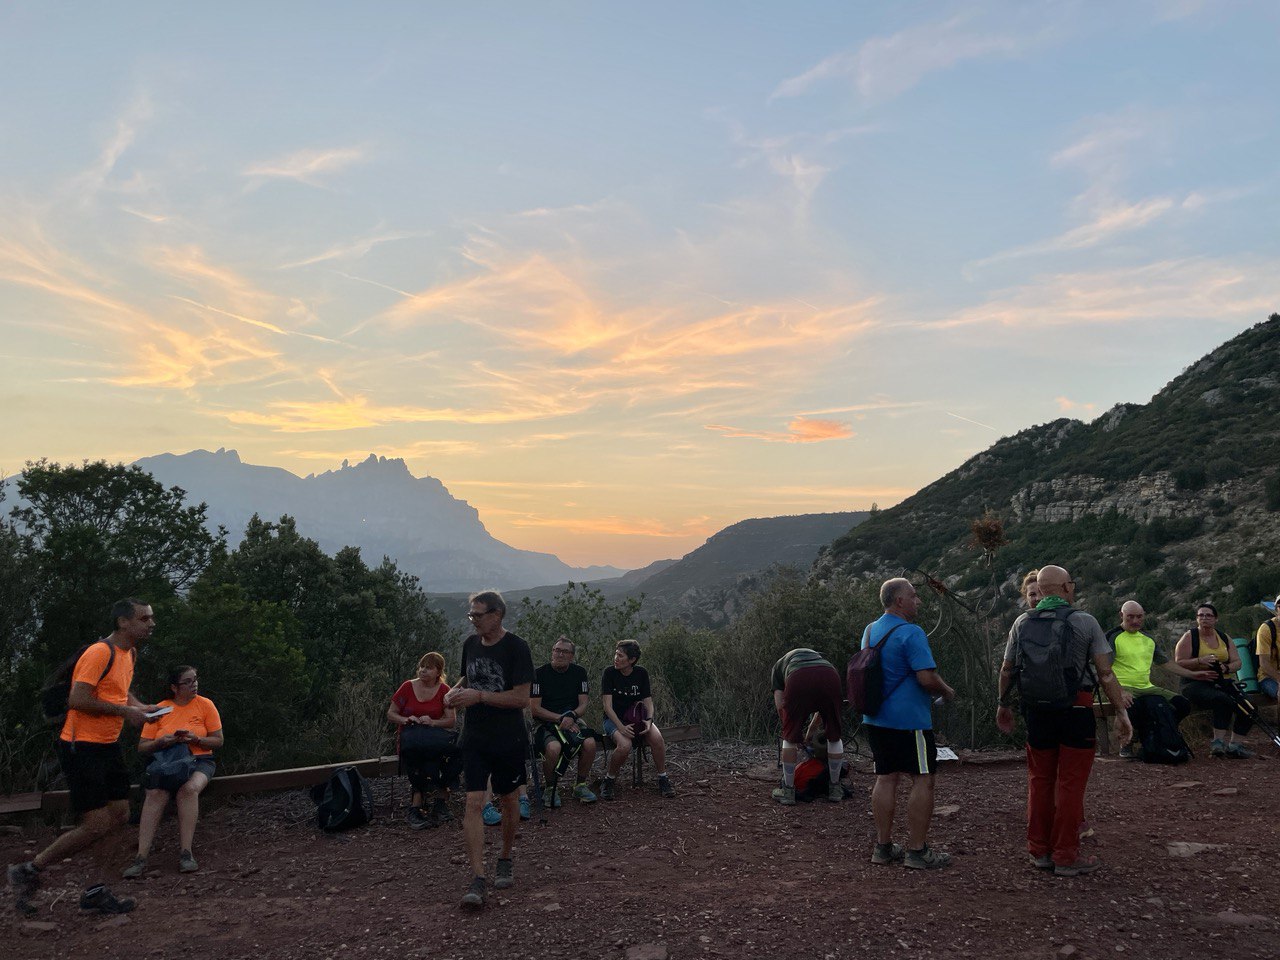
<point x="720" y="871"/>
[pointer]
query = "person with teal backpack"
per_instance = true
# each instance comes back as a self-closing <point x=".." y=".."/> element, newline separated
<point x="1268" y="651"/>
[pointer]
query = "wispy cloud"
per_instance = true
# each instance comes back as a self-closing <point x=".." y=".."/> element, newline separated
<point x="355" y="249"/>
<point x="886" y="67"/>
<point x="799" y="430"/>
<point x="1068" y="406"/>
<point x="127" y="127"/>
<point x="1194" y="288"/>
<point x="309" y="166"/>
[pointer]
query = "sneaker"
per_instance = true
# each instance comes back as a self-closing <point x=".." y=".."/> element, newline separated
<point x="506" y="875"/>
<point x="101" y="900"/>
<point x="1217" y="748"/>
<point x="136" y="869"/>
<point x="606" y="788"/>
<point x="1079" y="868"/>
<point x="583" y="793"/>
<point x="1128" y="753"/>
<point x="785" y="796"/>
<point x="417" y="819"/>
<point x="1043" y="863"/>
<point x="440" y="810"/>
<point x="885" y="853"/>
<point x="491" y="816"/>
<point x="473" y="899"/>
<point x="187" y="863"/>
<point x="835" y="793"/>
<point x="926" y="858"/>
<point x="24" y="880"/>
<point x="1236" y="751"/>
<point x="524" y="808"/>
<point x="665" y="788"/>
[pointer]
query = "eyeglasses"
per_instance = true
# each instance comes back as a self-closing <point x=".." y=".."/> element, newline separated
<point x="561" y="651"/>
<point x="1206" y="616"/>
<point x="476" y="616"/>
<point x="189" y="682"/>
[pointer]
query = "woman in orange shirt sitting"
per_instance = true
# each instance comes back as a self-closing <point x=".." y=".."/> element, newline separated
<point x="194" y="722"/>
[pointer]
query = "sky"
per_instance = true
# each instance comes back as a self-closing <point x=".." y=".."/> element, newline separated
<point x="621" y="275"/>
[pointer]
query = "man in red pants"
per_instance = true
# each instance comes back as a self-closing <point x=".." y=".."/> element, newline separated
<point x="1057" y="654"/>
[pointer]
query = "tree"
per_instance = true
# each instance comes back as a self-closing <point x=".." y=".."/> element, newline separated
<point x="99" y="532"/>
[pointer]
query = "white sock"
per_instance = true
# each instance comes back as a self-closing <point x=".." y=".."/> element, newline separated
<point x="788" y="775"/>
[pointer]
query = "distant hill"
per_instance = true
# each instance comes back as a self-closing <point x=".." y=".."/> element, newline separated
<point x="709" y="585"/>
<point x="376" y="505"/>
<point x="1171" y="502"/>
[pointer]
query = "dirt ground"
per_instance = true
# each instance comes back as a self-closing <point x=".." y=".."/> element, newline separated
<point x="719" y="871"/>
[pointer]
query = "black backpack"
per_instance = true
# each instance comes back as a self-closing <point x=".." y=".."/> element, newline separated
<point x="344" y="801"/>
<point x="1050" y="659"/>
<point x="57" y="688"/>
<point x="1161" y="739"/>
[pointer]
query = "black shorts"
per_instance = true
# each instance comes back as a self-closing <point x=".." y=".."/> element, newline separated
<point x="546" y="732"/>
<point x="902" y="751"/>
<point x="95" y="773"/>
<point x="505" y="766"/>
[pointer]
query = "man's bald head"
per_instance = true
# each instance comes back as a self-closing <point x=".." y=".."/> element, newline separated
<point x="1055" y="582"/>
<point x="1132" y="615"/>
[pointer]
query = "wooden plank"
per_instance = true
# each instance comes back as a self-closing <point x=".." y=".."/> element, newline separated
<point x="680" y="734"/>
<point x="20" y="803"/>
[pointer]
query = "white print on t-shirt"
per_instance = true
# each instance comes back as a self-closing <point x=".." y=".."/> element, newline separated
<point x="485" y="674"/>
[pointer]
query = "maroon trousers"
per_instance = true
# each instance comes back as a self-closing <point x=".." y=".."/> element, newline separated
<point x="1060" y="748"/>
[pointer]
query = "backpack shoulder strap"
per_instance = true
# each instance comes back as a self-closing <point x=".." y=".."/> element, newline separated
<point x="111" y="659"/>
<point x="1195" y="641"/>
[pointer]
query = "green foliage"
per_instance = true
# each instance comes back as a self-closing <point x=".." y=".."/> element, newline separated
<point x="1271" y="488"/>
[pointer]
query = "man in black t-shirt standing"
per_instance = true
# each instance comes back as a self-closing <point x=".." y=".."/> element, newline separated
<point x="628" y="714"/>
<point x="493" y="687"/>
<point x="558" y="701"/>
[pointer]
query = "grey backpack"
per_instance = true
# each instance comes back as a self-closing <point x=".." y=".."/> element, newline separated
<point x="1050" y="659"/>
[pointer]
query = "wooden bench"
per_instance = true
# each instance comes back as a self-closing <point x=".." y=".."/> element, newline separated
<point x="374" y="767"/>
<point x="1268" y="711"/>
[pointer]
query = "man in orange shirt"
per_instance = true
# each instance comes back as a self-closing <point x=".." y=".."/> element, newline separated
<point x="89" y="751"/>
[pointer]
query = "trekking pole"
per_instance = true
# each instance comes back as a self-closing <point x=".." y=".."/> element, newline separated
<point x="1234" y="689"/>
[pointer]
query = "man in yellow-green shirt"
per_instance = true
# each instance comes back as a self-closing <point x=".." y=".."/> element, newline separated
<point x="1135" y="656"/>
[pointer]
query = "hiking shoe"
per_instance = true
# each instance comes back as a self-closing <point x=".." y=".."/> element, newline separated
<point x="1128" y="753"/>
<point x="101" y="900"/>
<point x="524" y="808"/>
<point x="583" y="793"/>
<point x="473" y="899"/>
<point x="1217" y="748"/>
<point x="491" y="816"/>
<point x="136" y="869"/>
<point x="24" y="880"/>
<point x="885" y="853"/>
<point x="606" y="788"/>
<point x="785" y="796"/>
<point x="555" y="798"/>
<point x="835" y="793"/>
<point x="417" y="819"/>
<point x="1079" y="868"/>
<point x="926" y="858"/>
<point x="187" y="863"/>
<point x="440" y="810"/>
<point x="506" y="875"/>
<point x="665" y="788"/>
<point x="1043" y="863"/>
<point x="1236" y="751"/>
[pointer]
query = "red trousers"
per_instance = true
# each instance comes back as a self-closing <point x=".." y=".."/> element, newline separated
<point x="1060" y="750"/>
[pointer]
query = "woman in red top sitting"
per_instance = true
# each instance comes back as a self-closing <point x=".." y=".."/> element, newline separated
<point x="194" y="721"/>
<point x="429" y="755"/>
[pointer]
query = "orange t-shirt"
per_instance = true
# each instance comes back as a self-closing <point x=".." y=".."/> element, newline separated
<point x="199" y="717"/>
<point x="112" y="688"/>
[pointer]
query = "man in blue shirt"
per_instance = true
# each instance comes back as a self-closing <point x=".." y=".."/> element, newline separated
<point x="901" y="734"/>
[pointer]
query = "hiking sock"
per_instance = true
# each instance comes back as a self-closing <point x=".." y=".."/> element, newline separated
<point x="834" y="763"/>
<point x="788" y="774"/>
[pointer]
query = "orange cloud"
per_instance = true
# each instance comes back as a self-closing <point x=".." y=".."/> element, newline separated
<point x="799" y="430"/>
<point x="1066" y="405"/>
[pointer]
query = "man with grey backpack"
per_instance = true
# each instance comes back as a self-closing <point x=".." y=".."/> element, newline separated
<point x="1057" y="655"/>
